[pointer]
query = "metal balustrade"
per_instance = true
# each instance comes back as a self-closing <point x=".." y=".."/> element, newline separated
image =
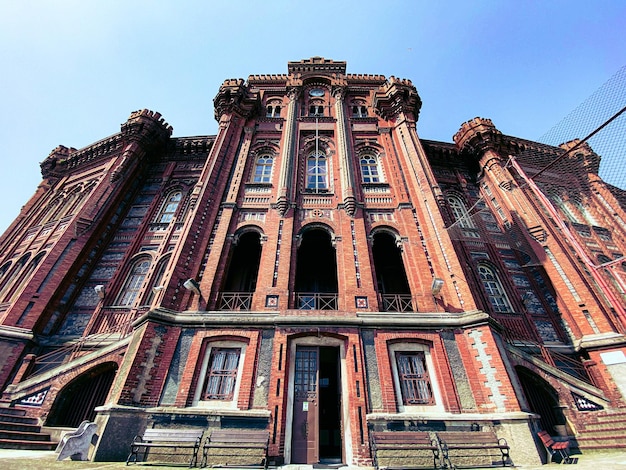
<point x="397" y="303"/>
<point x="316" y="301"/>
<point x="235" y="301"/>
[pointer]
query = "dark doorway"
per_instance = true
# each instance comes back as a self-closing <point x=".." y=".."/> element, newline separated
<point x="77" y="401"/>
<point x="391" y="278"/>
<point x="316" y="283"/>
<point x="542" y="400"/>
<point x="243" y="268"/>
<point x="316" y="430"/>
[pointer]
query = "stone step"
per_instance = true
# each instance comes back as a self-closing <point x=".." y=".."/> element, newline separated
<point x="24" y="436"/>
<point x="11" y="418"/>
<point x="602" y="425"/>
<point x="27" y="445"/>
<point x="8" y="426"/>
<point x="5" y="410"/>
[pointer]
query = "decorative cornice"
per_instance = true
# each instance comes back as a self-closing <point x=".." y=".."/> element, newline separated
<point x="316" y="65"/>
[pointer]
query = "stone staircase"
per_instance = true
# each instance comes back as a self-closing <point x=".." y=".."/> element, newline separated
<point x="603" y="430"/>
<point x="17" y="431"/>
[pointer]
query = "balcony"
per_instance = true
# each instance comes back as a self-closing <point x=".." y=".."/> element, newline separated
<point x="316" y="301"/>
<point x="235" y="301"/>
<point x="397" y="303"/>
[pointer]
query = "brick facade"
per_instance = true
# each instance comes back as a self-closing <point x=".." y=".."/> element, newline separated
<point x="316" y="222"/>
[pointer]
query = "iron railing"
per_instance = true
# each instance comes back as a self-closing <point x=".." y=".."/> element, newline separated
<point x="235" y="301"/>
<point x="397" y="303"/>
<point x="316" y="301"/>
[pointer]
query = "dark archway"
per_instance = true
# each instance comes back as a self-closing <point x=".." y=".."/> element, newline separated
<point x="316" y="272"/>
<point x="77" y="401"/>
<point x="542" y="399"/>
<point x="391" y="278"/>
<point x="243" y="268"/>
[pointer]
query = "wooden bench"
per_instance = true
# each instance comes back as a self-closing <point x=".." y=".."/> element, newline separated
<point x="404" y="449"/>
<point x="555" y="447"/>
<point x="186" y="439"/>
<point x="473" y="449"/>
<point x="236" y="448"/>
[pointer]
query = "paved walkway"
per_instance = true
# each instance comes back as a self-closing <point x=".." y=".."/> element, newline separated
<point x="46" y="460"/>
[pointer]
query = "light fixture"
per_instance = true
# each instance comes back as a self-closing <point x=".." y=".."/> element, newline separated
<point x="157" y="289"/>
<point x="100" y="290"/>
<point x="436" y="286"/>
<point x="192" y="285"/>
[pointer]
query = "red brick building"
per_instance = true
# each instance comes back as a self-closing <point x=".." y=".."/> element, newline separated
<point x="318" y="270"/>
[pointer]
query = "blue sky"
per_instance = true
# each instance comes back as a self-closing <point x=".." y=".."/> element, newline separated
<point x="74" y="70"/>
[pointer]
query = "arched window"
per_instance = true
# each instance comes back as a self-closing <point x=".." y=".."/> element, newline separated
<point x="24" y="277"/>
<point x="8" y="281"/>
<point x="133" y="283"/>
<point x="317" y="172"/>
<point x="156" y="283"/>
<point x="460" y="213"/>
<point x="359" y="111"/>
<point x="316" y="109"/>
<point x="369" y="169"/>
<point x="166" y="215"/>
<point x="273" y="110"/>
<point x="263" y="169"/>
<point x="495" y="290"/>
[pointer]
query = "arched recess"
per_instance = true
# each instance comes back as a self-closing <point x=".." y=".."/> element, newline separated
<point x="542" y="399"/>
<point x="316" y="283"/>
<point x="242" y="271"/>
<point x="77" y="401"/>
<point x="391" y="279"/>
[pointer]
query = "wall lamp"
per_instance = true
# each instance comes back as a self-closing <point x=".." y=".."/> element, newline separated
<point x="436" y="286"/>
<point x="192" y="285"/>
<point x="157" y="289"/>
<point x="100" y="291"/>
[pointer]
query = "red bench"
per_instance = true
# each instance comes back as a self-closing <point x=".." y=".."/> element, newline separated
<point x="554" y="447"/>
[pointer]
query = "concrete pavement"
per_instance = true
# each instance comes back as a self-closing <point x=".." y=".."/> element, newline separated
<point x="46" y="460"/>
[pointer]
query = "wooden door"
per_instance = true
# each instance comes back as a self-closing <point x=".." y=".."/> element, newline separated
<point x="304" y="442"/>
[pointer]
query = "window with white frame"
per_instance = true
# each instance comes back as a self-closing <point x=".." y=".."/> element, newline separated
<point x="495" y="291"/>
<point x="359" y="111"/>
<point x="416" y="388"/>
<point x="273" y="110"/>
<point x="459" y="211"/>
<point x="370" y="172"/>
<point x="220" y="375"/>
<point x="166" y="215"/>
<point x="316" y="109"/>
<point x="263" y="169"/>
<point x="317" y="172"/>
<point x="133" y="283"/>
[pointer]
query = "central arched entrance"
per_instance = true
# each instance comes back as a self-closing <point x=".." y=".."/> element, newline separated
<point x="317" y="431"/>
<point x="542" y="399"/>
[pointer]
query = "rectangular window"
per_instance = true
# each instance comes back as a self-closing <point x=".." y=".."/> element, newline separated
<point x="221" y="374"/>
<point x="414" y="380"/>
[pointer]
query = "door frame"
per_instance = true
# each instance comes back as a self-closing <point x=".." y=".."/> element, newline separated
<point x="346" y="441"/>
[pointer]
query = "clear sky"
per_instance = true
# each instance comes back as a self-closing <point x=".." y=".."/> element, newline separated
<point x="74" y="70"/>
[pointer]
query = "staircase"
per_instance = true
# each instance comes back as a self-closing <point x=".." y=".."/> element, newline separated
<point x="604" y="430"/>
<point x="17" y="431"/>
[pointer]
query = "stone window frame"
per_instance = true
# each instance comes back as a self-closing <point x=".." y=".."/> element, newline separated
<point x="404" y="347"/>
<point x="229" y="402"/>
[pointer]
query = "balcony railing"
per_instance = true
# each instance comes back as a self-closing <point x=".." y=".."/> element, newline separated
<point x="235" y="301"/>
<point x="397" y="303"/>
<point x="316" y="301"/>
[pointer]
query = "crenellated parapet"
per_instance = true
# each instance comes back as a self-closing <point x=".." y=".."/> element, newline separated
<point x="581" y="153"/>
<point x="397" y="96"/>
<point x="478" y="136"/>
<point x="49" y="167"/>
<point x="146" y="127"/>
<point x="317" y="65"/>
<point x="234" y="96"/>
